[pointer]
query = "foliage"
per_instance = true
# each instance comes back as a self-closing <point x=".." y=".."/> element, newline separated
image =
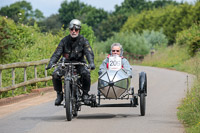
<point x="177" y="57"/>
<point x="108" y="26"/>
<point x="88" y="33"/>
<point x="21" y="11"/>
<point x="155" y="38"/>
<point x="68" y="10"/>
<point x="170" y="57"/>
<point x="13" y="37"/>
<point x="190" y="38"/>
<point x="171" y="19"/>
<point x="51" y="24"/>
<point x="138" y="44"/>
<point x="189" y="110"/>
<point x="87" y="14"/>
<point x="92" y="17"/>
<point x="128" y="6"/>
<point x="7" y="39"/>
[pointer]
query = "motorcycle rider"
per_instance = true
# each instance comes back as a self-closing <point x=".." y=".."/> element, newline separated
<point x="73" y="47"/>
<point x="116" y="49"/>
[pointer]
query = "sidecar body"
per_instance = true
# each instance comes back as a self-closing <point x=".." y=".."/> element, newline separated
<point x="113" y="84"/>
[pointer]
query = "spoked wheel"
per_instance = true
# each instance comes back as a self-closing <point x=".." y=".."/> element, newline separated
<point x="142" y="104"/>
<point x="68" y="101"/>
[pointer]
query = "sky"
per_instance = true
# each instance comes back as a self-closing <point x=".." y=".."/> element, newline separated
<point x="49" y="7"/>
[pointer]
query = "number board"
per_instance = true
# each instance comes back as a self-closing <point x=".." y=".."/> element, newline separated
<point x="115" y="63"/>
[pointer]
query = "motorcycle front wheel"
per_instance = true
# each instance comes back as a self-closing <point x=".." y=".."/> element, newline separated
<point x="68" y="100"/>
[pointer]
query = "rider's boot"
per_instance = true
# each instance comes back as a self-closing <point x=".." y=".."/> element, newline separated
<point x="59" y="98"/>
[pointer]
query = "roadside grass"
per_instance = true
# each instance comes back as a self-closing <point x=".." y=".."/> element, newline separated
<point x="177" y="58"/>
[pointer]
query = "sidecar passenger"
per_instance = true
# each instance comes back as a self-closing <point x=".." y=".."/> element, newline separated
<point x="116" y="49"/>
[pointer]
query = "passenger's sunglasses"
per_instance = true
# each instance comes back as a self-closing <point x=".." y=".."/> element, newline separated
<point x="74" y="29"/>
<point x="115" y="50"/>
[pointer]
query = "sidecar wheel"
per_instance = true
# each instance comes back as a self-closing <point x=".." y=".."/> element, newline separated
<point x="99" y="98"/>
<point x="142" y="104"/>
<point x="68" y="101"/>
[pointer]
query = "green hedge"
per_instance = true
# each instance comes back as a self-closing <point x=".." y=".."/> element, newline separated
<point x="171" y="19"/>
<point x="190" y="38"/>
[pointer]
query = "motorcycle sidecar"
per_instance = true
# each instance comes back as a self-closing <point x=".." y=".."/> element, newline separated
<point x="115" y="84"/>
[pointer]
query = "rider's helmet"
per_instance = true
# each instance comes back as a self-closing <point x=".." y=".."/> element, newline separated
<point x="75" y="23"/>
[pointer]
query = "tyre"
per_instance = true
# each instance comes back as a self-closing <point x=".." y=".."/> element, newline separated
<point x="143" y="83"/>
<point x="68" y="100"/>
<point x="99" y="98"/>
<point x="75" y="108"/>
<point x="142" y="104"/>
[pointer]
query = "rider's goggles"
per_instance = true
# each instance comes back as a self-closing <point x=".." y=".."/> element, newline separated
<point x="76" y="27"/>
<point x="115" y="50"/>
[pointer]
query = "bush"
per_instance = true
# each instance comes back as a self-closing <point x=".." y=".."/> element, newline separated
<point x="190" y="38"/>
<point x="138" y="44"/>
<point x="155" y="38"/>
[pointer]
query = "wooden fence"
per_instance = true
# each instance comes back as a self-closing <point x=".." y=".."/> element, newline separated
<point x="23" y="65"/>
<point x="129" y="56"/>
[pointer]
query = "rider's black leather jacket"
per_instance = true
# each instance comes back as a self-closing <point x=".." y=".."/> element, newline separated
<point x="73" y="49"/>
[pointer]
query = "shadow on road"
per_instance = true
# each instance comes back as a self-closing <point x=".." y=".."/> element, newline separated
<point x="86" y="116"/>
<point x="106" y="116"/>
<point x="45" y="118"/>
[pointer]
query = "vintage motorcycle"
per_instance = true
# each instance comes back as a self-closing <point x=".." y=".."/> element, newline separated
<point x="114" y="83"/>
<point x="73" y="89"/>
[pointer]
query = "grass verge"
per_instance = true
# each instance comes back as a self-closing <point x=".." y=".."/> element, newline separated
<point x="177" y="58"/>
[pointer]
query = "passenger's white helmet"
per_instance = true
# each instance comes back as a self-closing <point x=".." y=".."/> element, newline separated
<point x="75" y="23"/>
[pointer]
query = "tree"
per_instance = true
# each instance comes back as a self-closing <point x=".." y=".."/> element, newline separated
<point x="21" y="12"/>
<point x="85" y="13"/>
<point x="69" y="11"/>
<point x="171" y="19"/>
<point x="51" y="24"/>
<point x="38" y="15"/>
<point x="93" y="17"/>
<point x="120" y="15"/>
<point x="109" y="26"/>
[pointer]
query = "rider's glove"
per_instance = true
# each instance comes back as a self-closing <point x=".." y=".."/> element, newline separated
<point x="49" y="66"/>
<point x="92" y="66"/>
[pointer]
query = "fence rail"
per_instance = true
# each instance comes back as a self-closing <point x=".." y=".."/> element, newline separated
<point x="26" y="82"/>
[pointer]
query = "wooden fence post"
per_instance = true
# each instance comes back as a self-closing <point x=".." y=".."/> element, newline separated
<point x="35" y="70"/>
<point x="0" y="78"/>
<point x="13" y="79"/>
<point x="45" y="72"/>
<point x="25" y="78"/>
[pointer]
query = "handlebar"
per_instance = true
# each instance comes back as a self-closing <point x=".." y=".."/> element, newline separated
<point x="71" y="63"/>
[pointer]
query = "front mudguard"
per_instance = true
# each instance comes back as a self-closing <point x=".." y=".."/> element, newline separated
<point x="142" y="83"/>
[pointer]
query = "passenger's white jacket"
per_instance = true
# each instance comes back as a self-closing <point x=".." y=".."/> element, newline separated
<point x="126" y="66"/>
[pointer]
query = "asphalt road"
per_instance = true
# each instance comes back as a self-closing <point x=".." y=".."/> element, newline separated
<point x="166" y="88"/>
